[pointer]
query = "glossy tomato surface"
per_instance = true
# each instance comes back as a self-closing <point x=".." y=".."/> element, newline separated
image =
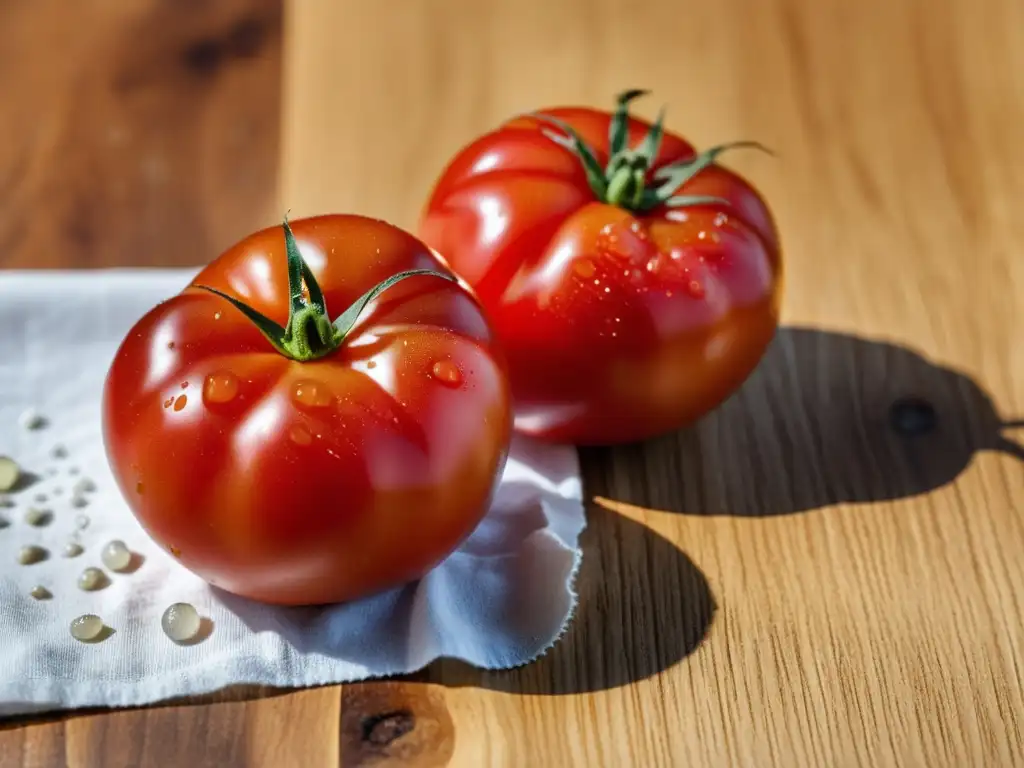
<point x="617" y="324"/>
<point x="321" y="481"/>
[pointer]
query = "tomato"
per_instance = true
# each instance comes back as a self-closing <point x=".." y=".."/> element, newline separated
<point x="294" y="461"/>
<point x="633" y="282"/>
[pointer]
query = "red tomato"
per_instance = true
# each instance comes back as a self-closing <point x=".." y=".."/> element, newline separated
<point x="633" y="283"/>
<point x="293" y="461"/>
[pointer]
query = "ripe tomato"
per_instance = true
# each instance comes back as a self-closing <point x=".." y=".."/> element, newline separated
<point x="633" y="282"/>
<point x="294" y="461"/>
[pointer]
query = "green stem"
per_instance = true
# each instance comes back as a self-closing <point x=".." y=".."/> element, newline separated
<point x="309" y="333"/>
<point x="624" y="179"/>
<point x="618" y="185"/>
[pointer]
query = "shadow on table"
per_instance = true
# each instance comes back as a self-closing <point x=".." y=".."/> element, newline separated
<point x="643" y="607"/>
<point x="827" y="418"/>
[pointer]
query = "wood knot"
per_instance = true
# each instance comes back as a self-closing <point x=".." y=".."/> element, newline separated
<point x="244" y="40"/>
<point x="383" y="729"/>
<point x="912" y="416"/>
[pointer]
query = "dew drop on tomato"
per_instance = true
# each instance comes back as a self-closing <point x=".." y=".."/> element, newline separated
<point x="652" y="266"/>
<point x="311" y="394"/>
<point x="639" y="231"/>
<point x="300" y="435"/>
<point x="695" y="289"/>
<point x="180" y="402"/>
<point x="721" y="219"/>
<point x="584" y="268"/>
<point x="447" y="373"/>
<point x="221" y="387"/>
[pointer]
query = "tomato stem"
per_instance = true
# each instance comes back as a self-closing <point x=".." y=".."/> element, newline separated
<point x="626" y="180"/>
<point x="309" y="333"/>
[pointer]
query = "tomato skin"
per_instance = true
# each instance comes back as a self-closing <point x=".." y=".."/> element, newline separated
<point x="616" y="326"/>
<point x="311" y="482"/>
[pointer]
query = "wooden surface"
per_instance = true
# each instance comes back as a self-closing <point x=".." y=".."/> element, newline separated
<point x="807" y="577"/>
<point x="136" y="132"/>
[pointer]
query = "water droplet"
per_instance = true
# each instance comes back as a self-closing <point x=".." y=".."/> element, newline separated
<point x="447" y="372"/>
<point x="721" y="219"/>
<point x="585" y="268"/>
<point x="84" y="485"/>
<point x="87" y="628"/>
<point x="695" y="289"/>
<point x="82" y="521"/>
<point x="371" y="364"/>
<point x="216" y="315"/>
<point x="116" y="555"/>
<point x="714" y="237"/>
<point x="618" y="319"/>
<point x="32" y="419"/>
<point x="701" y="235"/>
<point x="180" y="402"/>
<point x="311" y="394"/>
<point x="300" y="435"/>
<point x="39" y="592"/>
<point x="37" y="517"/>
<point x="181" y="622"/>
<point x="72" y="549"/>
<point x="607" y="289"/>
<point x="668" y="294"/>
<point x="221" y="387"/>
<point x="652" y="265"/>
<point x="59" y="452"/>
<point x="79" y="501"/>
<point x="32" y="554"/>
<point x="92" y="579"/>
<point x="41" y="498"/>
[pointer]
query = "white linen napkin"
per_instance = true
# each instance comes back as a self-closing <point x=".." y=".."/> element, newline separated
<point x="500" y="601"/>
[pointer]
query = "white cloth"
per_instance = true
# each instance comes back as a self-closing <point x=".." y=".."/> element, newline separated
<point x="500" y="601"/>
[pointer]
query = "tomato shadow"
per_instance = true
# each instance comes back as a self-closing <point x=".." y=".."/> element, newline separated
<point x="827" y="418"/>
<point x="643" y="606"/>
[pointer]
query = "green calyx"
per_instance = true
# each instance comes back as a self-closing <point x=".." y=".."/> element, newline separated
<point x="309" y="333"/>
<point x="626" y="179"/>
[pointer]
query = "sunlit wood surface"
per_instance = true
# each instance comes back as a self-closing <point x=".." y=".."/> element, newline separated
<point x="807" y="577"/>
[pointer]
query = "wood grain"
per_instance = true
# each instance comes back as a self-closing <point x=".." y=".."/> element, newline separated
<point x="141" y="132"/>
<point x="863" y="568"/>
<point x="823" y="572"/>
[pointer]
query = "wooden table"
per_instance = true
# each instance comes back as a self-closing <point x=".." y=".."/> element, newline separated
<point x="810" y="576"/>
